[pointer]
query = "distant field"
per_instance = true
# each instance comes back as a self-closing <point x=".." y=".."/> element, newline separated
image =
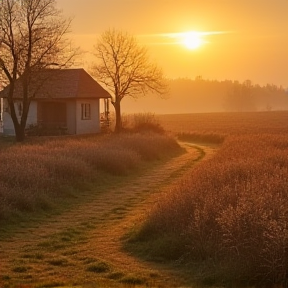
<point x="227" y="123"/>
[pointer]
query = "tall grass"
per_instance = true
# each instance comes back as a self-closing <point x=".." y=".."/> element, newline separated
<point x="34" y="174"/>
<point x="142" y="122"/>
<point x="229" y="216"/>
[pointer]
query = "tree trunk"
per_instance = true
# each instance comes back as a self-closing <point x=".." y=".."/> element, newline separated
<point x="118" y="124"/>
<point x="19" y="126"/>
<point x="20" y="133"/>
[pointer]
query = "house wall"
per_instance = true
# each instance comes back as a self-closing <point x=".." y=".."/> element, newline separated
<point x="32" y="114"/>
<point x="89" y="125"/>
<point x="70" y="114"/>
<point x="8" y="127"/>
<point x="75" y="125"/>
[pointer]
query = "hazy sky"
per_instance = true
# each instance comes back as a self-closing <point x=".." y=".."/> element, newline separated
<point x="251" y="39"/>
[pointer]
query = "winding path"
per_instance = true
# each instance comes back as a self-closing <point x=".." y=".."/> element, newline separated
<point x="82" y="247"/>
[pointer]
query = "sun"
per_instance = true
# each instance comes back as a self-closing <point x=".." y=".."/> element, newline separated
<point x="191" y="40"/>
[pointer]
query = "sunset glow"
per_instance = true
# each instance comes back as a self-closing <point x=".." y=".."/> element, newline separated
<point x="192" y="40"/>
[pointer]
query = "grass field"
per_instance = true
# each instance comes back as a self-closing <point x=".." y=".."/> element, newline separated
<point x="35" y="174"/>
<point x="228" y="217"/>
<point x="222" y="222"/>
<point x="274" y="122"/>
<point x="77" y="241"/>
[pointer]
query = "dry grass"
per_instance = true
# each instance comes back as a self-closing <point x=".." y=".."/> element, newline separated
<point x="274" y="122"/>
<point x="81" y="246"/>
<point x="35" y="174"/>
<point x="226" y="221"/>
<point x="228" y="217"/>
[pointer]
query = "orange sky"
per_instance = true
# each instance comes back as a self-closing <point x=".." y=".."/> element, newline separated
<point x="254" y="44"/>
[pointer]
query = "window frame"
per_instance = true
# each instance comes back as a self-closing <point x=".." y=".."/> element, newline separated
<point x="85" y="111"/>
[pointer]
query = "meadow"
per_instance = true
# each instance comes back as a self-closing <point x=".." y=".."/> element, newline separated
<point x="226" y="220"/>
<point x="66" y="200"/>
<point x="221" y="222"/>
<point x="42" y="171"/>
<point x="274" y="122"/>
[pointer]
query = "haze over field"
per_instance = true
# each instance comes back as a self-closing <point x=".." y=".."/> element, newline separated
<point x="202" y="96"/>
<point x="218" y="40"/>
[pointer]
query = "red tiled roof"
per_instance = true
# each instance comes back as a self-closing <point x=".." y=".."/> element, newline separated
<point x="61" y="84"/>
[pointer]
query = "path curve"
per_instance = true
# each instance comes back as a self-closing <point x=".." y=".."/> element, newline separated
<point x="83" y="246"/>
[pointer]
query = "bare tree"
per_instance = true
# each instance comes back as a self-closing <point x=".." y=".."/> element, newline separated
<point x="124" y="68"/>
<point x="32" y="38"/>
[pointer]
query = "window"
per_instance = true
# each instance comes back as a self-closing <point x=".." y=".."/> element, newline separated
<point x="85" y="111"/>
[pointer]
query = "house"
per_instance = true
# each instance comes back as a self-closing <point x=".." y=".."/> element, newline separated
<point x="65" y="98"/>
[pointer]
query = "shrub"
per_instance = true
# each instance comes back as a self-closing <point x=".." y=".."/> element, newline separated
<point x="40" y="130"/>
<point x="141" y="123"/>
<point x="147" y="122"/>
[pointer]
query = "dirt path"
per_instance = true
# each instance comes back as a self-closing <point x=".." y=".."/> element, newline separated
<point x="83" y="246"/>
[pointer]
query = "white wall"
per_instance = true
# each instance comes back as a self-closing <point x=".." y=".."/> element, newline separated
<point x="32" y="115"/>
<point x="88" y="126"/>
<point x="8" y="127"/>
<point x="75" y="126"/>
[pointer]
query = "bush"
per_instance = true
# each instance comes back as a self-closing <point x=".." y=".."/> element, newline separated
<point x="141" y="123"/>
<point x="40" y="130"/>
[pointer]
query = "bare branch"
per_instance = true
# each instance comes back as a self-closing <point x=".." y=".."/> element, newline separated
<point x="124" y="68"/>
<point x="33" y="37"/>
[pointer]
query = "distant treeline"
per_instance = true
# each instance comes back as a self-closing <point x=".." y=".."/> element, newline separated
<point x="200" y="95"/>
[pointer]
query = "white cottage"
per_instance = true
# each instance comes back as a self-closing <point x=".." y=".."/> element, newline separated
<point x="68" y="98"/>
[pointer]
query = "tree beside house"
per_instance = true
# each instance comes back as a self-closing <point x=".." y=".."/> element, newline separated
<point x="124" y="68"/>
<point x="33" y="38"/>
<point x="66" y="101"/>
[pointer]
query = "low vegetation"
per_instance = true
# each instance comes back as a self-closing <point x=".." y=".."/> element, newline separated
<point x="35" y="174"/>
<point x="225" y="124"/>
<point x="224" y="223"/>
<point x="201" y="138"/>
<point x="227" y="219"/>
<point x="141" y="122"/>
